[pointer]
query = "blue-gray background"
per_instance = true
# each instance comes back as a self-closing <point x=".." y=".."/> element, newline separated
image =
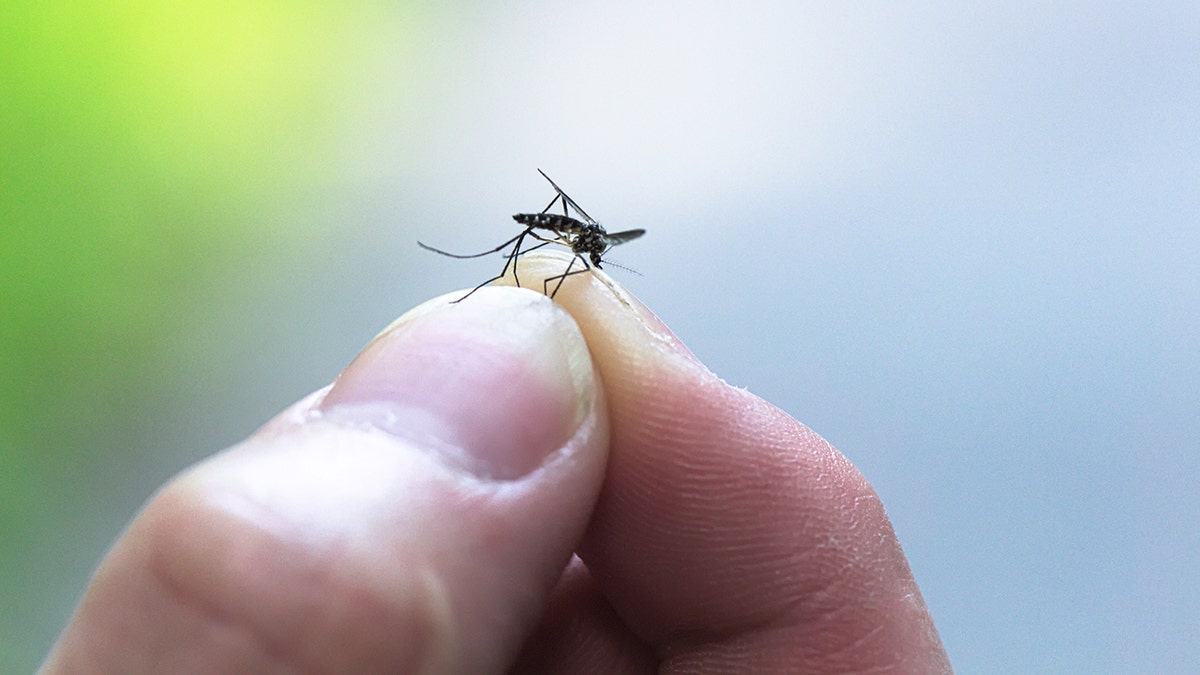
<point x="960" y="240"/>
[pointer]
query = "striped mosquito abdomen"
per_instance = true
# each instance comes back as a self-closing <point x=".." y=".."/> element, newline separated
<point x="555" y="222"/>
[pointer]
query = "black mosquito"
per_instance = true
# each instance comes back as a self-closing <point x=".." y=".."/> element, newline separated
<point x="586" y="238"/>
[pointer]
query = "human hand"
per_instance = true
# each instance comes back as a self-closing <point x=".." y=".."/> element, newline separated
<point x="417" y="516"/>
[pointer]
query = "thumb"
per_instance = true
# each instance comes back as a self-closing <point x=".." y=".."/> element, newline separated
<point x="413" y="517"/>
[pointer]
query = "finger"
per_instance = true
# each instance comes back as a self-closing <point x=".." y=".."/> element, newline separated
<point x="728" y="535"/>
<point x="413" y="518"/>
<point x="580" y="633"/>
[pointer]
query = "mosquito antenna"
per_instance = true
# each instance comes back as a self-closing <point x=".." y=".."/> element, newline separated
<point x="609" y="263"/>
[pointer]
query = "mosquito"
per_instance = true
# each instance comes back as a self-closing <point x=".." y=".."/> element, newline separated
<point x="586" y="238"/>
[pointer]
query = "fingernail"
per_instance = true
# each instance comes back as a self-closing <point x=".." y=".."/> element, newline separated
<point x="493" y="384"/>
<point x="657" y="327"/>
<point x="665" y="340"/>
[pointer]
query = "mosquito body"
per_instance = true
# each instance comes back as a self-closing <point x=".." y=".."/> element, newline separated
<point x="586" y="238"/>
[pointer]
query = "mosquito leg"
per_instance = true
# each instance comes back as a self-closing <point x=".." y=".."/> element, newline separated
<point x="545" y="284"/>
<point x="545" y="242"/>
<point x="473" y="255"/>
<point x="559" y="239"/>
<point x="563" y="277"/>
<point x="472" y="291"/>
<point x="566" y="199"/>
<point x="517" y="252"/>
<point x="512" y="259"/>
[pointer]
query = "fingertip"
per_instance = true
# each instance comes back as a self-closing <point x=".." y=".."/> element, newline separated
<point x="723" y="516"/>
<point x="413" y="516"/>
<point x="497" y="381"/>
<point x="625" y="337"/>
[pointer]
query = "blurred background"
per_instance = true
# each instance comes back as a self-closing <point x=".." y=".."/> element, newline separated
<point x="959" y="240"/>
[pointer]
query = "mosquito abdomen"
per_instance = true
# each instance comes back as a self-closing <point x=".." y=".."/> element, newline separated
<point x="550" y="221"/>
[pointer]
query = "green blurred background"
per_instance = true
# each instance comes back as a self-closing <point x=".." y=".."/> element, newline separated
<point x="160" y="168"/>
<point x="958" y="239"/>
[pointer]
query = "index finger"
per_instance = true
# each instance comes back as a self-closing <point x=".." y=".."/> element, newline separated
<point x="727" y="533"/>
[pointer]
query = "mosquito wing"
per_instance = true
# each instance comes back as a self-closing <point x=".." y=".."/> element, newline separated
<point x="614" y="238"/>
<point x="567" y="199"/>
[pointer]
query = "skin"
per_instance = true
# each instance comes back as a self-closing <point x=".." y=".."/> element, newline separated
<point x="510" y="484"/>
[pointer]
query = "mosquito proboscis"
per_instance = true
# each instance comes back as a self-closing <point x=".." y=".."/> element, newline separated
<point x="587" y="239"/>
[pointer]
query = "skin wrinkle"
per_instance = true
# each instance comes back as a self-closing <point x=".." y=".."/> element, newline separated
<point x="194" y="602"/>
<point x="581" y="633"/>
<point x="742" y="653"/>
<point x="755" y="547"/>
<point x="804" y="601"/>
<point x="164" y="573"/>
<point x="856" y="645"/>
<point x="822" y="615"/>
<point x="847" y="614"/>
<point x="326" y="593"/>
